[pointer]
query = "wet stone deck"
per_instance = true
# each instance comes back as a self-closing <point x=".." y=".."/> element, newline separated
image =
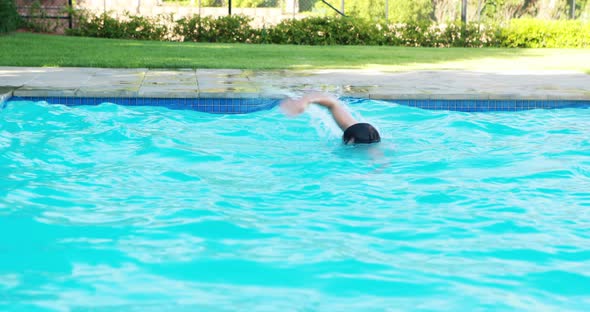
<point x="233" y="83"/>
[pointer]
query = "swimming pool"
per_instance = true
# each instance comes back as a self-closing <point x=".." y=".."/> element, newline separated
<point x="112" y="207"/>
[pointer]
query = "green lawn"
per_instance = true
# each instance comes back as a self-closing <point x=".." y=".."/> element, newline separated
<point x="24" y="49"/>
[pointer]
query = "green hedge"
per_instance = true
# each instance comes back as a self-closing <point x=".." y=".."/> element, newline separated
<point x="530" y="33"/>
<point x="527" y="33"/>
<point x="325" y="31"/>
<point x="443" y="35"/>
<point x="9" y="18"/>
<point x="126" y="27"/>
<point x="228" y="29"/>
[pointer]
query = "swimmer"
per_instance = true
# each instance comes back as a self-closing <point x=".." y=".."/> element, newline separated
<point x="354" y="132"/>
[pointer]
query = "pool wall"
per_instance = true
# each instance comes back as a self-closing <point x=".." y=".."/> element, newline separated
<point x="5" y="94"/>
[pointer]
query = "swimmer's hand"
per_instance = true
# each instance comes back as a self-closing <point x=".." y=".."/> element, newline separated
<point x="293" y="107"/>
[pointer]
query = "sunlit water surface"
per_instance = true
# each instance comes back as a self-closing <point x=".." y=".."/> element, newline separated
<point x="115" y="208"/>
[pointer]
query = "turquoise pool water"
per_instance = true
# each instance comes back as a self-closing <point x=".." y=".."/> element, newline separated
<point x="114" y="208"/>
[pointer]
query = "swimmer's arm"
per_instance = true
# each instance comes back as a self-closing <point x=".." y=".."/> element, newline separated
<point x="339" y="113"/>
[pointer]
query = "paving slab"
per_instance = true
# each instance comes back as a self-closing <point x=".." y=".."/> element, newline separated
<point x="236" y="83"/>
<point x="169" y="77"/>
<point x="225" y="83"/>
<point x="112" y="83"/>
<point x="161" y="83"/>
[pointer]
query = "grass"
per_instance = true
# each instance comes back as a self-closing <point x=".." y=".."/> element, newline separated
<point x="23" y="49"/>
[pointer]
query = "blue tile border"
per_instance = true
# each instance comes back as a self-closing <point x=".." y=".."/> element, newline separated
<point x="492" y="105"/>
<point x="209" y="105"/>
<point x="248" y="105"/>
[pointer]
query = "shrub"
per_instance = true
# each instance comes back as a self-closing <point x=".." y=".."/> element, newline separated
<point x="409" y="34"/>
<point x="325" y="31"/>
<point x="471" y="35"/>
<point x="127" y="27"/>
<point x="532" y="33"/>
<point x="9" y="18"/>
<point x="337" y="30"/>
<point x="233" y="28"/>
<point x="440" y="35"/>
<point x="190" y="29"/>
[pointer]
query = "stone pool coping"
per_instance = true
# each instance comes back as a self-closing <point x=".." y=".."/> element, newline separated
<point x="236" y="83"/>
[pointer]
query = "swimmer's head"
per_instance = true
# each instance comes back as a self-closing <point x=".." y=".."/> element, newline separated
<point x="361" y="133"/>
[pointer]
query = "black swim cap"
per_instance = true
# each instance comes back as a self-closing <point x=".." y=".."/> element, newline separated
<point x="361" y="133"/>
